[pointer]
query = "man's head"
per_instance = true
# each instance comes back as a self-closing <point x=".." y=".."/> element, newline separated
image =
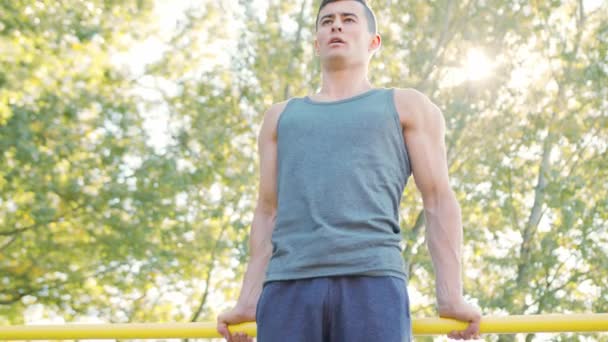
<point x="346" y="33"/>
<point x="369" y="15"/>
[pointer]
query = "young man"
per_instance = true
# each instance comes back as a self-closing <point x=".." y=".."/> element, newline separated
<point x="325" y="259"/>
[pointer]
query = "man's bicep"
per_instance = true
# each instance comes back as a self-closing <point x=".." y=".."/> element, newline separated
<point x="267" y="152"/>
<point x="267" y="201"/>
<point x="425" y="141"/>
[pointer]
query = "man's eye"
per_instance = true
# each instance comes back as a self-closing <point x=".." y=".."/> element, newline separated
<point x="325" y="22"/>
<point x="351" y="19"/>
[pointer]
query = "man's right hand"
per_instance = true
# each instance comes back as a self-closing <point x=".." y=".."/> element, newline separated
<point x="466" y="312"/>
<point x="238" y="314"/>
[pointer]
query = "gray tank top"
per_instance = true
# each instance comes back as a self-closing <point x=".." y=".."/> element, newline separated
<point x="342" y="167"/>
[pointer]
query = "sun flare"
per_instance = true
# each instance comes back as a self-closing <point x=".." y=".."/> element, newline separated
<point x="477" y="65"/>
<point x="474" y="66"/>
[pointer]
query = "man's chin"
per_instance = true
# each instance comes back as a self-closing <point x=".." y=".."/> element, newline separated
<point x="336" y="56"/>
<point x="337" y="62"/>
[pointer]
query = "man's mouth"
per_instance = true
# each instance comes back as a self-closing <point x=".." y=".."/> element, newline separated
<point x="335" y="41"/>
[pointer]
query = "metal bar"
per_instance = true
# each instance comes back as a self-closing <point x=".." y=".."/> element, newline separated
<point x="552" y="323"/>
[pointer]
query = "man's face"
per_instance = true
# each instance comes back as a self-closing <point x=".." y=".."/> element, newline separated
<point x="344" y="20"/>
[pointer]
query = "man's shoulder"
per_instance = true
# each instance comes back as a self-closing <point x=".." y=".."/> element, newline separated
<point x="414" y="106"/>
<point x="273" y="113"/>
<point x="411" y="97"/>
<point x="276" y="109"/>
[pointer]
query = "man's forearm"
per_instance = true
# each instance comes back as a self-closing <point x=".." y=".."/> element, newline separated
<point x="260" y="251"/>
<point x="444" y="239"/>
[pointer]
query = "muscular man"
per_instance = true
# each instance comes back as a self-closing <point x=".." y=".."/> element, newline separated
<point x="325" y="257"/>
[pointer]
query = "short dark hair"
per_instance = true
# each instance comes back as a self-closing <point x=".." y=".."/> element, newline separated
<point x="371" y="18"/>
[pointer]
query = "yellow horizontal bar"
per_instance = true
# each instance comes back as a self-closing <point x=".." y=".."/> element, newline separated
<point x="550" y="323"/>
<point x="421" y="326"/>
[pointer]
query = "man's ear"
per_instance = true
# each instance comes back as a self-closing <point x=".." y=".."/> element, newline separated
<point x="316" y="47"/>
<point x="376" y="42"/>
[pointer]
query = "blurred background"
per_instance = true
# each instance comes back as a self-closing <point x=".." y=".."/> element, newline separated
<point x="128" y="157"/>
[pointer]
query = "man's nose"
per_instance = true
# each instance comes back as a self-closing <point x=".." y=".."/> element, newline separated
<point x="336" y="26"/>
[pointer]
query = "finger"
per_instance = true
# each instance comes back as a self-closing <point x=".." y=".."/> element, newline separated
<point x="475" y="335"/>
<point x="455" y="335"/>
<point x="221" y="328"/>
<point x="242" y="337"/>
<point x="230" y="336"/>
<point x="472" y="329"/>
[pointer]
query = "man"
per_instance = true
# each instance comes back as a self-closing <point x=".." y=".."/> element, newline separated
<point x="325" y="260"/>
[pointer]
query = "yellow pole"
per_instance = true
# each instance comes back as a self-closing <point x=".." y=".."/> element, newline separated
<point x="551" y="323"/>
<point x="421" y="326"/>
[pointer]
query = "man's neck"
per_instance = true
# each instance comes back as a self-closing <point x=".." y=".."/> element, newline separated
<point x="343" y="83"/>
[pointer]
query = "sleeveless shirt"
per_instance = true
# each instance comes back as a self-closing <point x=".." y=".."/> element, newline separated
<point x="342" y="167"/>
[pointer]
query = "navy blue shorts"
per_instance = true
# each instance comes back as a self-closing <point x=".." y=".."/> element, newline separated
<point x="334" y="309"/>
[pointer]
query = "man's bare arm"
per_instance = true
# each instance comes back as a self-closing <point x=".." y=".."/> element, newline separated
<point x="260" y="243"/>
<point x="424" y="131"/>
